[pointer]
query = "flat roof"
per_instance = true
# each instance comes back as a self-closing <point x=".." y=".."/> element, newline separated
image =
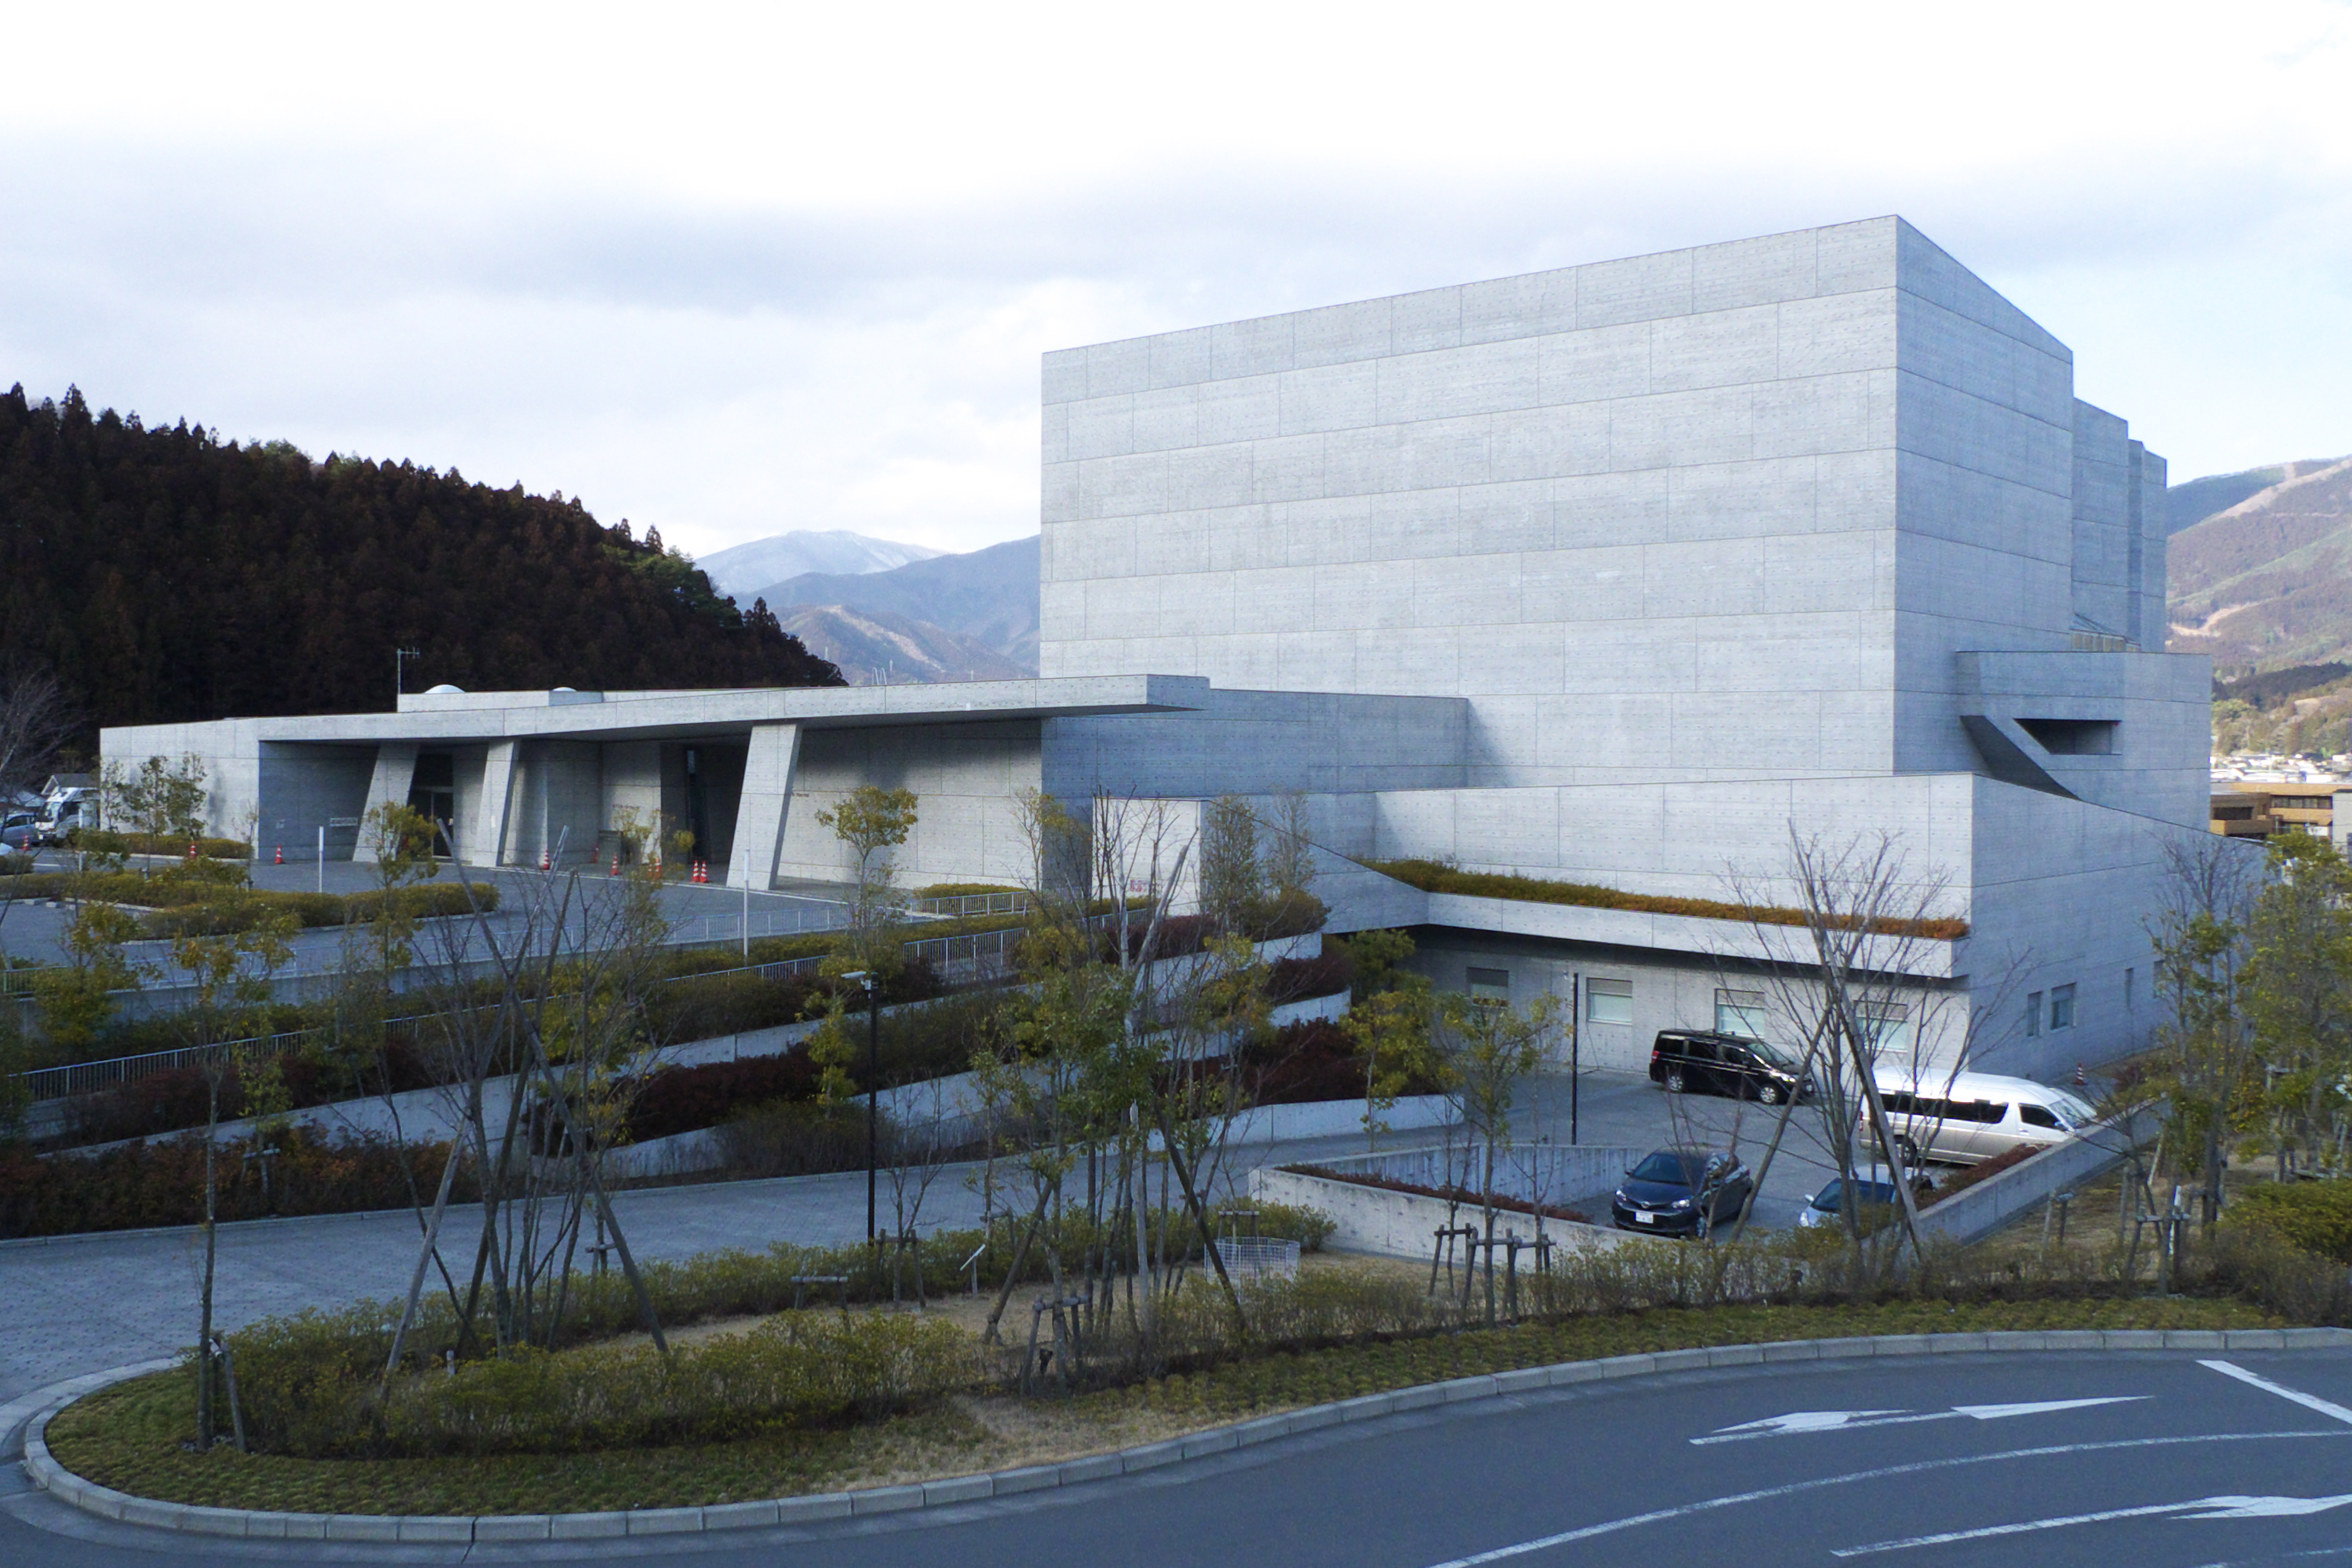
<point x="461" y="716"/>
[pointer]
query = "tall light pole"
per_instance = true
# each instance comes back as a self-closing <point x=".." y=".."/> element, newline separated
<point x="872" y="1092"/>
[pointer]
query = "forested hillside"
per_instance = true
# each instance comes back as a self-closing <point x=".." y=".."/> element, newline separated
<point x="163" y="575"/>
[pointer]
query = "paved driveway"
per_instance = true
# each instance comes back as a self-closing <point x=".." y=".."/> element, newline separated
<point x="82" y="1304"/>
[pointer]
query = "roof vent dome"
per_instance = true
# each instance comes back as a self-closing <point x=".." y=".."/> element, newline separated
<point x="444" y="689"/>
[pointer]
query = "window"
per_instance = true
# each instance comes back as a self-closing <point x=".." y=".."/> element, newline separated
<point x="2033" y="1013"/>
<point x="2040" y="1116"/>
<point x="2131" y="981"/>
<point x="1490" y="985"/>
<point x="2072" y="737"/>
<point x="1887" y="1026"/>
<point x="1609" y="1001"/>
<point x="1742" y="1013"/>
<point x="2062" y="1008"/>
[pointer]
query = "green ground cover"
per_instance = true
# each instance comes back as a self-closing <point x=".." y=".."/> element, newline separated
<point x="132" y="1437"/>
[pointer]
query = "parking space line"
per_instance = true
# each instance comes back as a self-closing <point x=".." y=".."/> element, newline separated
<point x="2308" y="1401"/>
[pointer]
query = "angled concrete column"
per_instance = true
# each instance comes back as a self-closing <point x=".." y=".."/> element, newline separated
<point x="767" y="798"/>
<point x="396" y="771"/>
<point x="489" y="845"/>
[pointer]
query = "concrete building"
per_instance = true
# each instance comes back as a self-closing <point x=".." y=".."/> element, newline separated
<point x="1619" y="573"/>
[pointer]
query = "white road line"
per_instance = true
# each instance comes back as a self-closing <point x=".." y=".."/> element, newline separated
<point x="2308" y="1401"/>
<point x="2230" y="1507"/>
<point x="1792" y="1489"/>
<point x="1989" y="1531"/>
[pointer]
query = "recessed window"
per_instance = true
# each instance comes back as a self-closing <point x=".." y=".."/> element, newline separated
<point x="2131" y="984"/>
<point x="1741" y="1013"/>
<point x="2072" y="737"/>
<point x="1490" y="985"/>
<point x="1887" y="1026"/>
<point x="1609" y="1001"/>
<point x="2062" y="1008"/>
<point x="2033" y="1013"/>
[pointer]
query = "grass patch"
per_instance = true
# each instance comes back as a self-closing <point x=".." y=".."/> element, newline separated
<point x="131" y="1436"/>
<point x="1434" y="877"/>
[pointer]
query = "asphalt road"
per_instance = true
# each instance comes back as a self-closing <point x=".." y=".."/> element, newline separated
<point x="2154" y="1459"/>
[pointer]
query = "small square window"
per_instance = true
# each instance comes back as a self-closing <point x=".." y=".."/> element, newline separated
<point x="2062" y="1008"/>
<point x="2033" y="1013"/>
<point x="1490" y="985"/>
<point x="1609" y="1001"/>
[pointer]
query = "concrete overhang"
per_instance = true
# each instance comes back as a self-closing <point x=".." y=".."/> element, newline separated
<point x="460" y="717"/>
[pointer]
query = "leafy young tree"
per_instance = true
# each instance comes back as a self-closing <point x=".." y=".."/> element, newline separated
<point x="229" y="980"/>
<point x="162" y="797"/>
<point x="1233" y="880"/>
<point x="2206" y="1046"/>
<point x="1484" y="1048"/>
<point x="1389" y="1020"/>
<point x="868" y="820"/>
<point x="2298" y="987"/>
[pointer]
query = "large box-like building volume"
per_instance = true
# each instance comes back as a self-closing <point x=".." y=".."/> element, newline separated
<point x="1620" y="573"/>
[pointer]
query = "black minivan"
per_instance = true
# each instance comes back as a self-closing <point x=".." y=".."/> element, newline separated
<point x="1701" y="1061"/>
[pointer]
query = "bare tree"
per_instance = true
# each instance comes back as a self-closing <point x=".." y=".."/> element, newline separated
<point x="37" y="721"/>
<point x="1845" y="976"/>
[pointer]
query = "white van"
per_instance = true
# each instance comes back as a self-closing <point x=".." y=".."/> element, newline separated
<point x="1964" y="1119"/>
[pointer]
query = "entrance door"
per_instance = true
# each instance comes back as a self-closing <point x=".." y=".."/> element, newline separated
<point x="434" y="795"/>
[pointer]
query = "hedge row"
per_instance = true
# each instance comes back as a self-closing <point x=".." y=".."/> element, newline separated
<point x="206" y="900"/>
<point x="160" y="1183"/>
<point x="1432" y="877"/>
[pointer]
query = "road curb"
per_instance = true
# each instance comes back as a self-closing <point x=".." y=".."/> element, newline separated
<point x="105" y="1502"/>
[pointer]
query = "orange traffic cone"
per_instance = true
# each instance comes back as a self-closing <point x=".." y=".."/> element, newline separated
<point x="192" y="851"/>
<point x="2080" y="1078"/>
<point x="280" y="858"/>
<point x="616" y="863"/>
<point x="542" y="861"/>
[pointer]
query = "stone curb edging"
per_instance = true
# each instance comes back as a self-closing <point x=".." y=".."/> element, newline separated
<point x="386" y="1529"/>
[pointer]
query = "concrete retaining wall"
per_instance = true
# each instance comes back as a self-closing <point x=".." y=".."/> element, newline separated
<point x="1403" y="1224"/>
<point x="1979" y="1210"/>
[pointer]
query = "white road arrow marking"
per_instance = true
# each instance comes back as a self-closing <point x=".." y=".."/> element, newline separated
<point x="1797" y="1421"/>
<point x="2002" y="1412"/>
<point x="2269" y="1506"/>
<point x="2203" y="1507"/>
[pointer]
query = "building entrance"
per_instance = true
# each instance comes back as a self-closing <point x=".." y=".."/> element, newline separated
<point x="434" y="795"/>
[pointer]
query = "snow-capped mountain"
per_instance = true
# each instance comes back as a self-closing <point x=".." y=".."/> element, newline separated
<point x="740" y="571"/>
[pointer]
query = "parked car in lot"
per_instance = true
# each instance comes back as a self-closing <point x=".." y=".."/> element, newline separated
<point x="1963" y="1118"/>
<point x="1872" y="1185"/>
<point x="20" y="830"/>
<point x="1702" y="1061"/>
<point x="1682" y="1192"/>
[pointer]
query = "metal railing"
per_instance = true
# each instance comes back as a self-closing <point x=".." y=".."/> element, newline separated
<point x="963" y="906"/>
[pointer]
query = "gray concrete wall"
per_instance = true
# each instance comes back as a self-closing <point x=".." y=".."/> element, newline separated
<point x="966" y="776"/>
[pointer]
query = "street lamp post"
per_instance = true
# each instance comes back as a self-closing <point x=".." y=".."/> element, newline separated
<point x="873" y="1093"/>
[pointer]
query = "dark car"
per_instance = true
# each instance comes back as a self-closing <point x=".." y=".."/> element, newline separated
<point x="1700" y="1061"/>
<point x="1682" y="1192"/>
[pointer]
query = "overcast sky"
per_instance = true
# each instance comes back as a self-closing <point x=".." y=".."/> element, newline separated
<point x="732" y="272"/>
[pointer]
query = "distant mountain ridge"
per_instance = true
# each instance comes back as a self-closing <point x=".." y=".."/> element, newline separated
<point x="740" y="571"/>
<point x="988" y="596"/>
<point x="2266" y="582"/>
<point x="873" y="647"/>
<point x="2192" y="501"/>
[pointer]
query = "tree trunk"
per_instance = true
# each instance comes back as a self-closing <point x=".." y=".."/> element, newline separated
<point x="205" y="1333"/>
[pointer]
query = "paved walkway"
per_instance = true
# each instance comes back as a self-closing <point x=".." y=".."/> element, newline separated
<point x="85" y="1303"/>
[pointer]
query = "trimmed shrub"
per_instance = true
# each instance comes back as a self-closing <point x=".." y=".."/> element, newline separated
<point x="2314" y="1216"/>
<point x="799" y="1369"/>
<point x="162" y="1183"/>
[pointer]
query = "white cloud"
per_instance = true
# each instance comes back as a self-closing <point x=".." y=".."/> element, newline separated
<point x="792" y="267"/>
